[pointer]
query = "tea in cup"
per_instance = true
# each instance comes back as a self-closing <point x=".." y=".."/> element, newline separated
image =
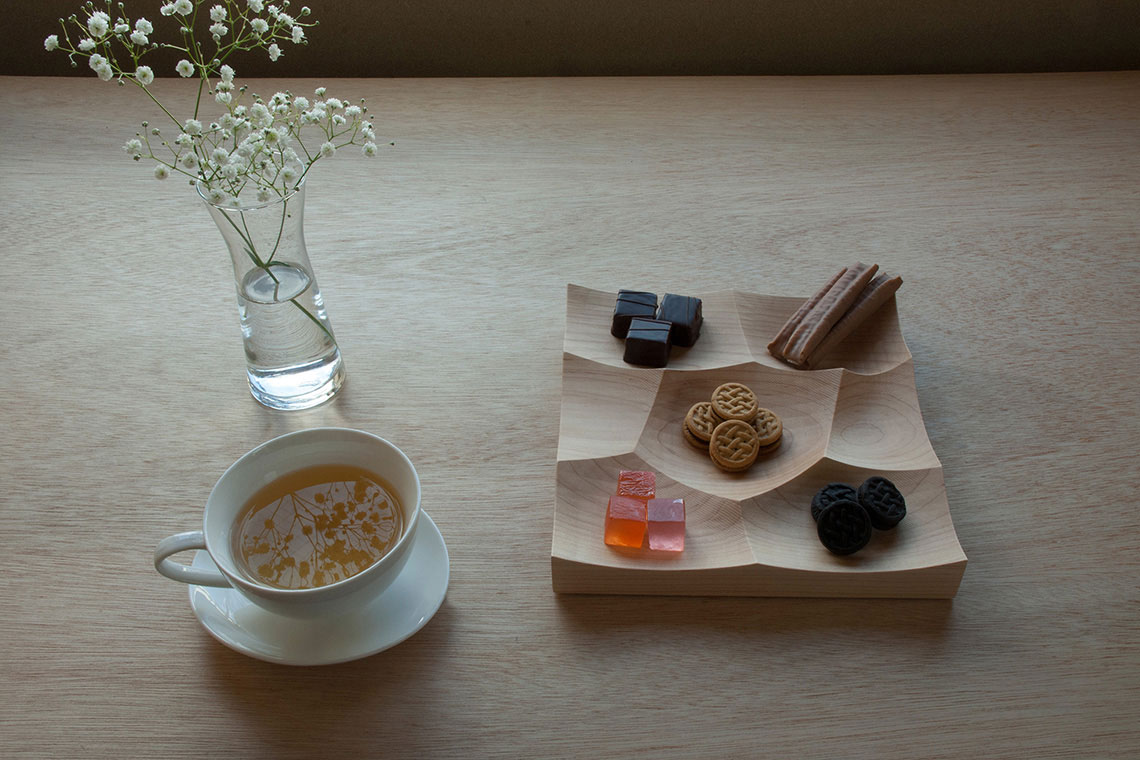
<point x="310" y="524"/>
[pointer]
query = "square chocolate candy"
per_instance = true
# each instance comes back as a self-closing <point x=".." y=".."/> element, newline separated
<point x="647" y="342"/>
<point x="630" y="304"/>
<point x="684" y="312"/>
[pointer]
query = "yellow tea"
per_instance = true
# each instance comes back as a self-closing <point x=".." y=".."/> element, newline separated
<point x="316" y="526"/>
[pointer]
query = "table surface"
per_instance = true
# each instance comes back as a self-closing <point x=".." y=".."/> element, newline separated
<point x="1009" y="204"/>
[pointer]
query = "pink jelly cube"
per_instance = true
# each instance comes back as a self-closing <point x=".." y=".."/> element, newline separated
<point x="625" y="521"/>
<point x="666" y="523"/>
<point x="637" y="483"/>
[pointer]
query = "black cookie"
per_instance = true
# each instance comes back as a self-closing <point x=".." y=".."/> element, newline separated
<point x="844" y="527"/>
<point x="828" y="495"/>
<point x="884" y="504"/>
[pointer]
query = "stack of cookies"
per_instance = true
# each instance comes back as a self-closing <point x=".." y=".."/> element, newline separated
<point x="732" y="427"/>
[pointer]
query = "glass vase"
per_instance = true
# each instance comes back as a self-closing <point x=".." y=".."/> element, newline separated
<point x="292" y="358"/>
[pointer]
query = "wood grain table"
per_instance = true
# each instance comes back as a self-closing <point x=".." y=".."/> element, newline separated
<point x="1009" y="204"/>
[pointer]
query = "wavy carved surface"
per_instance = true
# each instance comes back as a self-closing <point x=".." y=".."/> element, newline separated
<point x="749" y="533"/>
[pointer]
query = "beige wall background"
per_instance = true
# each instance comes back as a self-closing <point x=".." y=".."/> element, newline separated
<point x="408" y="38"/>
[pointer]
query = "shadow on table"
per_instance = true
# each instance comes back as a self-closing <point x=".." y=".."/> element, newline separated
<point x="318" y="711"/>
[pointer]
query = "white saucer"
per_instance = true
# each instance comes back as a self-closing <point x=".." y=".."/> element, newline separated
<point x="401" y="610"/>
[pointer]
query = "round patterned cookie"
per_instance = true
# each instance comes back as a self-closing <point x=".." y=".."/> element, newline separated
<point x="734" y="446"/>
<point x="768" y="427"/>
<point x="844" y="527"/>
<point x="828" y="495"/>
<point x="693" y="441"/>
<point x="701" y="421"/>
<point x="884" y="503"/>
<point x="735" y="401"/>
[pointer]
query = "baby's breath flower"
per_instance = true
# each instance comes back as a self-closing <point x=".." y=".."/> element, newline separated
<point x="122" y="28"/>
<point x="263" y="194"/>
<point x="215" y="195"/>
<point x="298" y="35"/>
<point x="220" y="156"/>
<point x="143" y="26"/>
<point x="217" y="13"/>
<point x="192" y="127"/>
<point x="334" y="103"/>
<point x="139" y="38"/>
<point x="319" y="92"/>
<point x="185" y="68"/>
<point x="352" y="112"/>
<point x="95" y="61"/>
<point x="259" y="26"/>
<point x="98" y="24"/>
<point x="51" y="43"/>
<point x="105" y="73"/>
<point x="228" y="120"/>
<point x="224" y="98"/>
<point x="230" y="171"/>
<point x="272" y="136"/>
<point x="219" y="30"/>
<point x="301" y="103"/>
<point x="288" y="174"/>
<point x="161" y="172"/>
<point x="184" y="139"/>
<point x="226" y="73"/>
<point x="86" y="44"/>
<point x="274" y="52"/>
<point x="369" y="149"/>
<point x="189" y="160"/>
<point x="144" y="75"/>
<point x="337" y="119"/>
<point x="259" y="116"/>
<point x="133" y="146"/>
<point x="274" y="11"/>
<point x="183" y="7"/>
<point x="167" y="10"/>
<point x="285" y="19"/>
<point x="257" y="6"/>
<point x="328" y="149"/>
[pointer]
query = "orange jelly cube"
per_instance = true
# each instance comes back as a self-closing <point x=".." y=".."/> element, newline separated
<point x="637" y="483"/>
<point x="625" y="521"/>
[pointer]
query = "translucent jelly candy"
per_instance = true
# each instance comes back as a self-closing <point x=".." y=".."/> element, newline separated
<point x="666" y="524"/>
<point x="625" y="521"/>
<point x="636" y="483"/>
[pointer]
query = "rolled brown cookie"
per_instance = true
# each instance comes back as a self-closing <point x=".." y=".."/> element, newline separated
<point x="776" y="347"/>
<point x="827" y="312"/>
<point x="878" y="292"/>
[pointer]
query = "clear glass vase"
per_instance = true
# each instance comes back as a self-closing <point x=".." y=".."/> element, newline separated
<point x="292" y="357"/>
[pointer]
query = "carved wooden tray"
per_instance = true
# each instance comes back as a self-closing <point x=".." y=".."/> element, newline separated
<point x="749" y="534"/>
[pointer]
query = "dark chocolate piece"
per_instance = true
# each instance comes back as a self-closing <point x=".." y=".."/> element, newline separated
<point x="884" y="503"/>
<point x="684" y="312"/>
<point x="647" y="342"/>
<point x="630" y="304"/>
<point x="844" y="527"/>
<point x="828" y="495"/>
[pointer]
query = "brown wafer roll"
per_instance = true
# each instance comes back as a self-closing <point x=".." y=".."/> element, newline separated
<point x="776" y="347"/>
<point x="878" y="292"/>
<point x="827" y="312"/>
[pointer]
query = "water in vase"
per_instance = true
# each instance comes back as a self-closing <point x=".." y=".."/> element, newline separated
<point x="293" y="360"/>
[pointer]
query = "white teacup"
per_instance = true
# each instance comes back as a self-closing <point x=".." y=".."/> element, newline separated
<point x="267" y="462"/>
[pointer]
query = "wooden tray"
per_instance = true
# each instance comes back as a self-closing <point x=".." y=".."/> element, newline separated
<point x="749" y="534"/>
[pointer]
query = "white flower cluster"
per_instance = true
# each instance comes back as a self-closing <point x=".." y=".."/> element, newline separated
<point x="264" y="148"/>
<point x="232" y="28"/>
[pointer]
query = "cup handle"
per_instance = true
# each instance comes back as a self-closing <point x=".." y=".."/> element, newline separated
<point x="181" y="542"/>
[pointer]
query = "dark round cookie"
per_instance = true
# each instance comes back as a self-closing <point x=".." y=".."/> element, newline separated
<point x="884" y="504"/>
<point x="828" y="495"/>
<point x="844" y="527"/>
